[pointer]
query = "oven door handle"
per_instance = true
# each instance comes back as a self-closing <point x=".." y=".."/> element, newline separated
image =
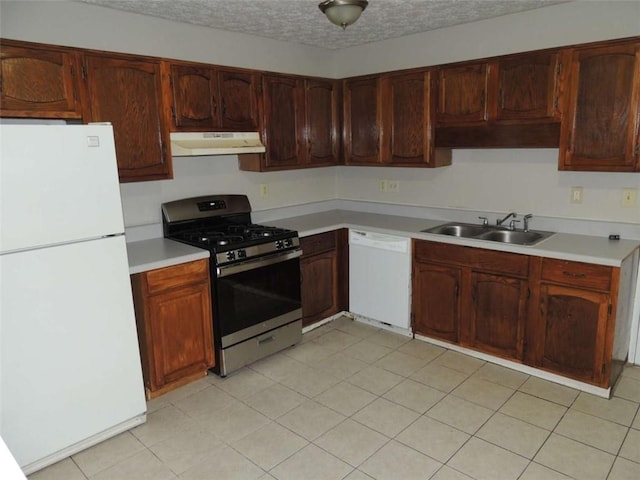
<point x="260" y="262"/>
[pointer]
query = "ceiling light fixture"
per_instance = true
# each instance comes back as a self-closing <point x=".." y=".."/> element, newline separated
<point x="343" y="12"/>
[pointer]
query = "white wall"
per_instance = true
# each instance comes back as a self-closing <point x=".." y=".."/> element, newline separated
<point x="523" y="180"/>
<point x="220" y="175"/>
<point x="89" y="26"/>
<point x="564" y="24"/>
<point x="488" y="180"/>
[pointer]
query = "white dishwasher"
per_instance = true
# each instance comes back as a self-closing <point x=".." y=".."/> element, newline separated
<point x="380" y="277"/>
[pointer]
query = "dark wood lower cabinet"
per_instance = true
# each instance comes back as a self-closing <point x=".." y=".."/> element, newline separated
<point x="323" y="266"/>
<point x="497" y="314"/>
<point x="471" y="296"/>
<point x="175" y="331"/>
<point x="555" y="315"/>
<point x="574" y="325"/>
<point x="436" y="301"/>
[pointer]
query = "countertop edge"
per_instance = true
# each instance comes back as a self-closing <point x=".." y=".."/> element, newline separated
<point x="558" y="246"/>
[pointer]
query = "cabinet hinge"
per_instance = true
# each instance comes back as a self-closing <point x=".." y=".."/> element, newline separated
<point x="0" y="83"/>
<point x="609" y="309"/>
<point x="83" y="71"/>
<point x="636" y="151"/>
<point x="528" y="293"/>
<point x="173" y="113"/>
<point x="604" y="368"/>
<point x="259" y="88"/>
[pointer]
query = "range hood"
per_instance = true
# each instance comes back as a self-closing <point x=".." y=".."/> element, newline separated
<point x="191" y="144"/>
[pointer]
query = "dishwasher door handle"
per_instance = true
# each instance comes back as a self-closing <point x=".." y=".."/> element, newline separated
<point x="379" y="241"/>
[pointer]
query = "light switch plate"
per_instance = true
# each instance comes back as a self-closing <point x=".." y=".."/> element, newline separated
<point x="576" y="194"/>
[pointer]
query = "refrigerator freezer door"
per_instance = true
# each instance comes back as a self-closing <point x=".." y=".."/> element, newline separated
<point x="58" y="184"/>
<point x="69" y="359"/>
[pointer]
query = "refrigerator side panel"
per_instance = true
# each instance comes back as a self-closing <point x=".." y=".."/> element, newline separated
<point x="69" y="359"/>
<point x="58" y="184"/>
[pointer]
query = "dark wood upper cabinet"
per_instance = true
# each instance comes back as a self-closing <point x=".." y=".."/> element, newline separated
<point x="207" y="99"/>
<point x="527" y="87"/>
<point x="300" y="120"/>
<point x="128" y="93"/>
<point x="462" y="94"/>
<point x="194" y="99"/>
<point x="408" y="107"/>
<point x="322" y="120"/>
<point x="283" y="98"/>
<point x="363" y="121"/>
<point x="238" y="100"/>
<point x="39" y="82"/>
<point x="600" y="131"/>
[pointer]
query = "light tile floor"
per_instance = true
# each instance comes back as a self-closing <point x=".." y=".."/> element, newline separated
<point x="357" y="403"/>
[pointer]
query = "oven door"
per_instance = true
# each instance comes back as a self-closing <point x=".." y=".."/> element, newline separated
<point x="256" y="296"/>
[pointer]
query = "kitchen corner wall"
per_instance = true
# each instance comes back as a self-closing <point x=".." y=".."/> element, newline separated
<point x="487" y="180"/>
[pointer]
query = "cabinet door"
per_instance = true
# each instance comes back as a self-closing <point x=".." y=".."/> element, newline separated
<point x="238" y="97"/>
<point x="38" y="82"/>
<point x="283" y="121"/>
<point x="362" y="121"/>
<point x="319" y="286"/>
<point x="181" y="330"/>
<point x="528" y="87"/>
<point x="600" y="128"/>
<point x="321" y="106"/>
<point x="194" y="98"/>
<point x="407" y="118"/>
<point x="462" y="94"/>
<point x="497" y="316"/>
<point x="127" y="93"/>
<point x="574" y="325"/>
<point x="436" y="301"/>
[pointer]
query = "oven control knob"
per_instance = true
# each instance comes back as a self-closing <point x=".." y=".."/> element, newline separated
<point x="279" y="244"/>
<point x="242" y="253"/>
<point x="288" y="243"/>
<point x="231" y="256"/>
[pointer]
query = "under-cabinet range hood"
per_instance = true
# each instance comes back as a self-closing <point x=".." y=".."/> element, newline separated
<point x="191" y="144"/>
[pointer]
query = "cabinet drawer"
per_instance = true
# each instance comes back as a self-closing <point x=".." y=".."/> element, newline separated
<point x="321" y="242"/>
<point x="477" y="258"/>
<point x="176" y="276"/>
<point x="577" y="274"/>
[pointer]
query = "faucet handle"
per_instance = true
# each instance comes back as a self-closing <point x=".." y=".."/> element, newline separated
<point x="485" y="221"/>
<point x="512" y="224"/>
<point x="526" y="221"/>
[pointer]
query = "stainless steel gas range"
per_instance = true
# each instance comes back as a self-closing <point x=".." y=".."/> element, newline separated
<point x="255" y="270"/>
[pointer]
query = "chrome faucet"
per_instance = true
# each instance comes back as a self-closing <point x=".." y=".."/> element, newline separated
<point x="526" y="221"/>
<point x="500" y="222"/>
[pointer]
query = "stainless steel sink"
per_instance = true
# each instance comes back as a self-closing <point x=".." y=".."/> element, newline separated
<point x="458" y="230"/>
<point x="490" y="233"/>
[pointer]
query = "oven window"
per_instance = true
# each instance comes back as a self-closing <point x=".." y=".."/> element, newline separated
<point x="249" y="298"/>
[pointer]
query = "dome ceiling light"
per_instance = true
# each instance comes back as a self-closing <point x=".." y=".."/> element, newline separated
<point x="343" y="12"/>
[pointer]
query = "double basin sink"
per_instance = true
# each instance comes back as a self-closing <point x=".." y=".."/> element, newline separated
<point x="490" y="233"/>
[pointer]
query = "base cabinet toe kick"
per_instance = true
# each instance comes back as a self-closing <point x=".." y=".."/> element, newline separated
<point x="566" y="318"/>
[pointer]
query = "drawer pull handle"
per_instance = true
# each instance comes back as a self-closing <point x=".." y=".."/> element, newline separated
<point x="574" y="275"/>
<point x="265" y="340"/>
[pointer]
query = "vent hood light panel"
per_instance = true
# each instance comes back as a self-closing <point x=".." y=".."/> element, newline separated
<point x="191" y="144"/>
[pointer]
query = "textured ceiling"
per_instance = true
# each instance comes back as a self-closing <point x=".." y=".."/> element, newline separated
<point x="301" y="21"/>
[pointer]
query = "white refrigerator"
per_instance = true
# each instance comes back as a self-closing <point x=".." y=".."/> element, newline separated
<point x="70" y="372"/>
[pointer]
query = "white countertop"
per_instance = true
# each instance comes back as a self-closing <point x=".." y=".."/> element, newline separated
<point x="579" y="248"/>
<point x="160" y="252"/>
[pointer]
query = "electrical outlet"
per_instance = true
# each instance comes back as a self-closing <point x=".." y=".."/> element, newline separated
<point x="576" y="194"/>
<point x="393" y="186"/>
<point x="384" y="186"/>
<point x="629" y="197"/>
<point x="264" y="189"/>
